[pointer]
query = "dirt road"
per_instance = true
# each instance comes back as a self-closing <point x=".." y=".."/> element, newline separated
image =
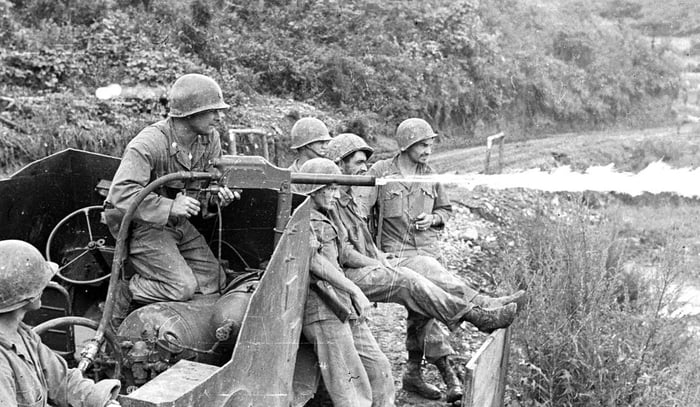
<point x="629" y="150"/>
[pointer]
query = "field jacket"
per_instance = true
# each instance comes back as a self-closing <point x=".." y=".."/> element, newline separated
<point x="400" y="203"/>
<point x="40" y="377"/>
<point x="154" y="152"/>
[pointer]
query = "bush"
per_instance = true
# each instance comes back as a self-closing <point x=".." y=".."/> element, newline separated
<point x="76" y="12"/>
<point x="580" y="343"/>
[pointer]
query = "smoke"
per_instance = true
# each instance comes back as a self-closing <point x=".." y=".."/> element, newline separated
<point x="656" y="178"/>
<point x="108" y="92"/>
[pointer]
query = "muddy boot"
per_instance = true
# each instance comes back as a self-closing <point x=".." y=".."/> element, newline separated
<point x="485" y="301"/>
<point x="413" y="379"/>
<point x="122" y="304"/>
<point x="454" y="387"/>
<point x="489" y="319"/>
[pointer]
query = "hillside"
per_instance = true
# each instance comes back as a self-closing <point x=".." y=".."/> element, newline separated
<point x="469" y="67"/>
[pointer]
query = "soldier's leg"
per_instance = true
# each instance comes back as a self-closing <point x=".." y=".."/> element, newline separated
<point x="424" y="337"/>
<point x="162" y="274"/>
<point x="404" y="286"/>
<point x="376" y="365"/>
<point x="431" y="269"/>
<point x="205" y="266"/>
<point x="341" y="367"/>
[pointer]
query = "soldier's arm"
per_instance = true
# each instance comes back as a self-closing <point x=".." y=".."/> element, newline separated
<point x="323" y="269"/>
<point x="132" y="176"/>
<point x="67" y="387"/>
<point x="7" y="387"/>
<point x="442" y="208"/>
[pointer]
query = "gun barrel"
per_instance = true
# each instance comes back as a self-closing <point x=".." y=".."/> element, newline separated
<point x="306" y="178"/>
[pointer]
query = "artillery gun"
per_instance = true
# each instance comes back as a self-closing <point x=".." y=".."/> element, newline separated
<point x="237" y="348"/>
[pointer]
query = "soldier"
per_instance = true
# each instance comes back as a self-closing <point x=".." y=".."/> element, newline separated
<point x="31" y="374"/>
<point x="354" y="369"/>
<point x="410" y="215"/>
<point x="351" y="153"/>
<point x="309" y="138"/>
<point x="171" y="258"/>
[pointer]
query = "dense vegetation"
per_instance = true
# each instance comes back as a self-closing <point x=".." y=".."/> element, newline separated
<point x="469" y="67"/>
<point x="597" y="330"/>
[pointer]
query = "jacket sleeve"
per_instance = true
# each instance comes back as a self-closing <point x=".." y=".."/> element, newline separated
<point x="132" y="176"/>
<point x="7" y="388"/>
<point x="442" y="207"/>
<point x="68" y="387"/>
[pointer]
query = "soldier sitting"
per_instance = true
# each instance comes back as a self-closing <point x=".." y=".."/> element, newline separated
<point x="171" y="258"/>
<point x="381" y="281"/>
<point x="354" y="369"/>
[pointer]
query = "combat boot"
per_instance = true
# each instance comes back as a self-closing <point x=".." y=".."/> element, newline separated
<point x="413" y="380"/>
<point x="122" y="304"/>
<point x="489" y="319"/>
<point x="453" y="386"/>
<point x="485" y="301"/>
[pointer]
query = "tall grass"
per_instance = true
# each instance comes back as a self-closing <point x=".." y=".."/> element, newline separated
<point x="580" y="342"/>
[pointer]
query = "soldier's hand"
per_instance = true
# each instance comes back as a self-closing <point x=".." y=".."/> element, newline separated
<point x="361" y="303"/>
<point x="185" y="206"/>
<point x="226" y="196"/>
<point x="424" y="221"/>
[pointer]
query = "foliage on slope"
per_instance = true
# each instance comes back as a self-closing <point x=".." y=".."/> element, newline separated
<point x="469" y="67"/>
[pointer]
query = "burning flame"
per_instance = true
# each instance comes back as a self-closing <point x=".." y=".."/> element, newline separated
<point x="657" y="177"/>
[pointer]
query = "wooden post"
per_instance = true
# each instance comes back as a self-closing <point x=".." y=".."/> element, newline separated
<point x="232" y="142"/>
<point x="489" y="143"/>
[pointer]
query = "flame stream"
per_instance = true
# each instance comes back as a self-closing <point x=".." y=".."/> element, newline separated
<point x="657" y="177"/>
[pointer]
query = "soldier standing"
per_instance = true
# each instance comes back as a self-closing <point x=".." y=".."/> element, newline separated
<point x="310" y="138"/>
<point x="351" y="153"/>
<point x="171" y="258"/>
<point x="409" y="217"/>
<point x="31" y="374"/>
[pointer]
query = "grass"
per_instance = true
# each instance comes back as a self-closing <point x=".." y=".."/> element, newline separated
<point x="580" y="342"/>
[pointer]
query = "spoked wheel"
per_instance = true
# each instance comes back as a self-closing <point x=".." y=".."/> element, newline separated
<point x="82" y="246"/>
<point x="108" y="362"/>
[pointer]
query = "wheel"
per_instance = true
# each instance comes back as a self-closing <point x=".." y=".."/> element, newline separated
<point x="82" y="246"/>
<point x="108" y="362"/>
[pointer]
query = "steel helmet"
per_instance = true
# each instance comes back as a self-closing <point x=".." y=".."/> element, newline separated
<point x="23" y="274"/>
<point x="346" y="144"/>
<point x="308" y="130"/>
<point x="316" y="166"/>
<point x="413" y="130"/>
<point x="194" y="93"/>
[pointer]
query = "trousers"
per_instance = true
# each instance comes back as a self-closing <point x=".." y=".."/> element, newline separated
<point x="355" y="371"/>
<point x="424" y="334"/>
<point x="172" y="263"/>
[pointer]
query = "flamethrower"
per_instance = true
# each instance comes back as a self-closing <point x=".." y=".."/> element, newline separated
<point x="234" y="172"/>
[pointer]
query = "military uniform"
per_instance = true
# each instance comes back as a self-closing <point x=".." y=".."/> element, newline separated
<point x="171" y="258"/>
<point x="354" y="369"/>
<point x="31" y="374"/>
<point x="401" y="203"/>
<point x="404" y="285"/>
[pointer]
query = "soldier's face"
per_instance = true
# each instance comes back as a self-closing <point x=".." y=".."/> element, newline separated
<point x="318" y="148"/>
<point x="206" y="121"/>
<point x="356" y="164"/>
<point x="420" y="152"/>
<point x="325" y="197"/>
